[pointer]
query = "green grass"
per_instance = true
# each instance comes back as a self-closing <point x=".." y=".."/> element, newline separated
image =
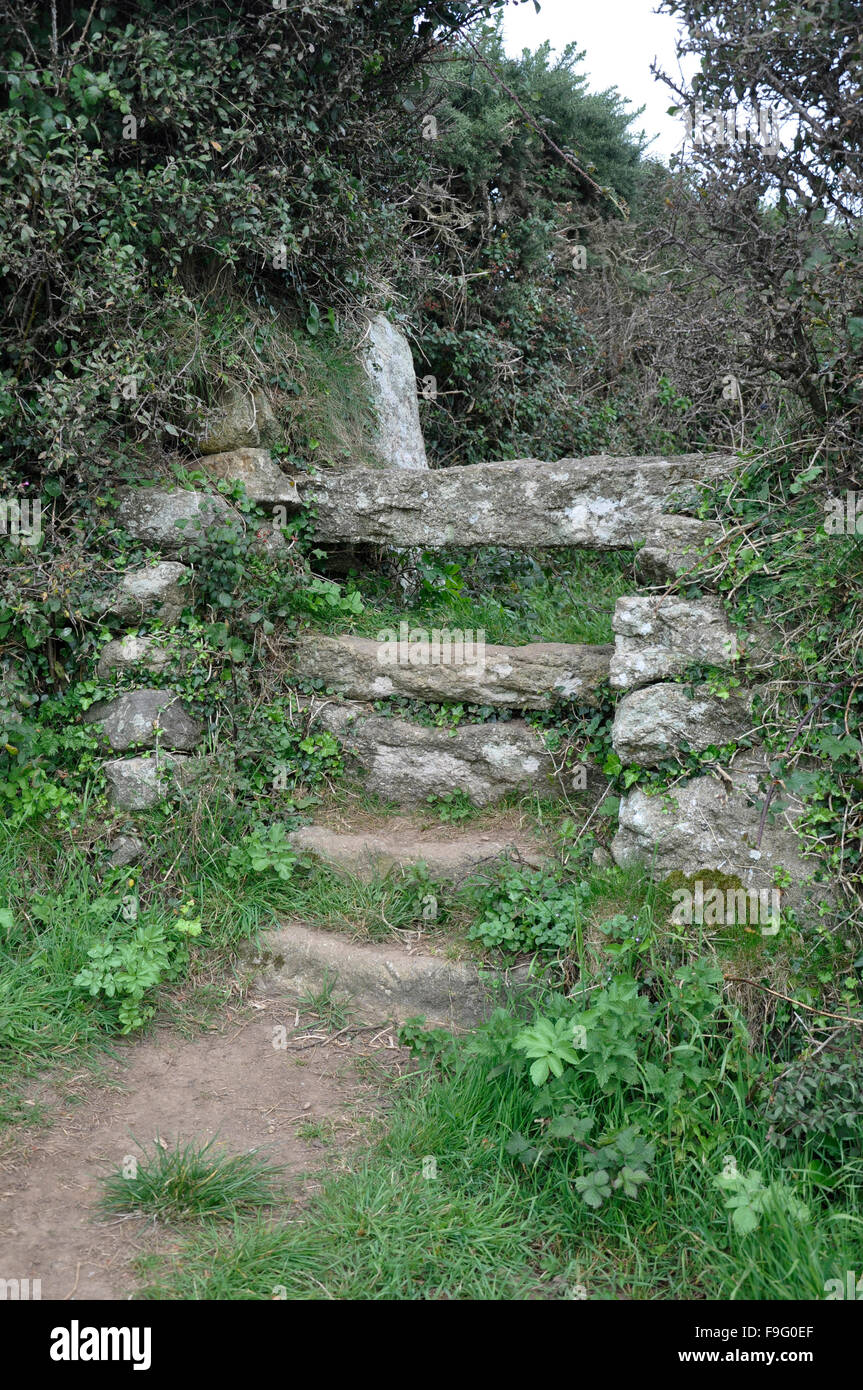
<point x="193" y="1181"/>
<point x="565" y="596"/>
<point x="484" y="1227"/>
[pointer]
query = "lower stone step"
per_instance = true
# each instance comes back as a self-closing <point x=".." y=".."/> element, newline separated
<point x="406" y="763"/>
<point x="403" y="844"/>
<point x="381" y="983"/>
<point x="445" y="665"/>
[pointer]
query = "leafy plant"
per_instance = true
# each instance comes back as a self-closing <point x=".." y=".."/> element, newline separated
<point x="527" y="910"/>
<point x="126" y="969"/>
<point x="266" y="848"/>
<point x="748" y="1199"/>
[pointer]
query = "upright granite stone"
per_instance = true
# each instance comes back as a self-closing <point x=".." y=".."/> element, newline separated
<point x="598" y="503"/>
<point x="442" y="666"/>
<point x="388" y="363"/>
<point x="660" y="721"/>
<point x="657" y="637"/>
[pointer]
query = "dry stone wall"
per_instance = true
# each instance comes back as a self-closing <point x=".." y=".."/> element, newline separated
<point x="712" y="820"/>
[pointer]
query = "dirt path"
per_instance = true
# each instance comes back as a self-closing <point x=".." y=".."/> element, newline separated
<point x="233" y="1085"/>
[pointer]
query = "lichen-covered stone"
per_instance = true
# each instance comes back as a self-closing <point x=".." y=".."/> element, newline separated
<point x="660" y="636"/>
<point x="131" y="650"/>
<point x="145" y="719"/>
<point x="260" y="475"/>
<point x="388" y="362"/>
<point x="406" y="763"/>
<point x="153" y="591"/>
<point x="457" y="667"/>
<point x="244" y="420"/>
<point x="598" y="503"/>
<point x="660" y="721"/>
<point x="176" y="519"/>
<point x="136" y="784"/>
<point x="712" y="822"/>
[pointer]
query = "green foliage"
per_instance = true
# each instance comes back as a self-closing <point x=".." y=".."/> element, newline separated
<point x="748" y="1199"/>
<point x="127" y="966"/>
<point x="527" y="910"/>
<point x="817" y="1100"/>
<point x="503" y="333"/>
<point x="266" y="848"/>
<point x="134" y="179"/>
<point x="189" y="1181"/>
<point x="451" y="808"/>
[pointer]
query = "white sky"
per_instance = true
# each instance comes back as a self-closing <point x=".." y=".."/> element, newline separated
<point x="620" y="38"/>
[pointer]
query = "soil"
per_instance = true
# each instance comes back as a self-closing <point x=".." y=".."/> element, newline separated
<point x="299" y="1106"/>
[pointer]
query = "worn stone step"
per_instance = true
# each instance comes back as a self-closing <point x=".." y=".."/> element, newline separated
<point x="402" y="843"/>
<point x="598" y="502"/>
<point x="446" y="666"/>
<point x="406" y="763"/>
<point x="382" y="983"/>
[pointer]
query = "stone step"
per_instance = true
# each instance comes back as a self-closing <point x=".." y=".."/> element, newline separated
<point x="406" y="763"/>
<point x="453" y="666"/>
<point x="402" y="843"/>
<point x="382" y="983"/>
<point x="598" y="502"/>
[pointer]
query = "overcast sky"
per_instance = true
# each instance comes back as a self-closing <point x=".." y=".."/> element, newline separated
<point x="620" y="38"/>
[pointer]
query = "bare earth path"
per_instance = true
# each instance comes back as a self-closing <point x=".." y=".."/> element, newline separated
<point x="233" y="1085"/>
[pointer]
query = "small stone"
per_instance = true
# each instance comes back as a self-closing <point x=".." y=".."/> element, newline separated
<point x="658" y="721"/>
<point x="262" y="478"/>
<point x="130" y="651"/>
<point x="136" y="784"/>
<point x="126" y="849"/>
<point x="153" y="591"/>
<point x="132" y="720"/>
